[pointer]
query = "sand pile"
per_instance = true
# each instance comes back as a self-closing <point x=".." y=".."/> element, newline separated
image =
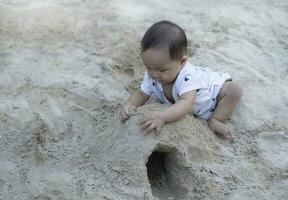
<point x="115" y="161"/>
<point x="66" y="66"/>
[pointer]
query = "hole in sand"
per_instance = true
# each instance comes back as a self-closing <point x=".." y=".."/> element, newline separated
<point x="165" y="176"/>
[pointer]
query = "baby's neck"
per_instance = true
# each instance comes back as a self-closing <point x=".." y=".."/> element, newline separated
<point x="168" y="84"/>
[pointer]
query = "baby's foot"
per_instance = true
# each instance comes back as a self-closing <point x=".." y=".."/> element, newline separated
<point x="220" y="129"/>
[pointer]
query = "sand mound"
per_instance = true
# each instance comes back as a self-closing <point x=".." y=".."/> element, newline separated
<point x="116" y="161"/>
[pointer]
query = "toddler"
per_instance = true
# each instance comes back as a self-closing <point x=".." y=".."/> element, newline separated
<point x="209" y="95"/>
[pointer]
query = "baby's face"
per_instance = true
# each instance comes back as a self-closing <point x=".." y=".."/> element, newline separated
<point x="159" y="65"/>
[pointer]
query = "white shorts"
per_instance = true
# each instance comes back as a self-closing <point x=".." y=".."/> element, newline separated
<point x="208" y="106"/>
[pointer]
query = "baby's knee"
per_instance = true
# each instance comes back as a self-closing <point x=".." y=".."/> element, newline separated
<point x="235" y="90"/>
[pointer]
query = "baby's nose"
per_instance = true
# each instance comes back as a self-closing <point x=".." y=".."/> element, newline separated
<point x="155" y="75"/>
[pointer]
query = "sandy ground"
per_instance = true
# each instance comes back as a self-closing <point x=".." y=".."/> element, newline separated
<point x="66" y="67"/>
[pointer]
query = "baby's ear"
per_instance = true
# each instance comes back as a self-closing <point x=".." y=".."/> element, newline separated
<point x="183" y="60"/>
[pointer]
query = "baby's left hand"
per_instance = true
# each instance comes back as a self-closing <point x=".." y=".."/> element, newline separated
<point x="153" y="120"/>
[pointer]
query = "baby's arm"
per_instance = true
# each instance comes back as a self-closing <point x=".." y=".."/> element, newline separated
<point x="137" y="98"/>
<point x="180" y="108"/>
<point x="156" y="120"/>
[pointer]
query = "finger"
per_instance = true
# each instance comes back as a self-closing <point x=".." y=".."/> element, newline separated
<point x="134" y="107"/>
<point x="232" y="136"/>
<point x="158" y="129"/>
<point x="126" y="110"/>
<point x="229" y="138"/>
<point x="144" y="120"/>
<point x="149" y="129"/>
<point x="123" y="116"/>
<point x="131" y="109"/>
<point x="122" y="119"/>
<point x="147" y="117"/>
<point x="146" y="124"/>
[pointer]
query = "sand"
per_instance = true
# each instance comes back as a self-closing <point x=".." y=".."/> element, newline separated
<point x="67" y="66"/>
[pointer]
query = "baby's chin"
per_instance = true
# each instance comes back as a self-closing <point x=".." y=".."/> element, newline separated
<point x="168" y="81"/>
<point x="165" y="82"/>
<point x="160" y="81"/>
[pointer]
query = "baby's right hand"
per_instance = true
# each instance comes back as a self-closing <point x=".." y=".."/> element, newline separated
<point x="126" y="111"/>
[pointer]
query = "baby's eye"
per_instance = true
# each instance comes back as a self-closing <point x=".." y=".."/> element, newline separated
<point x="163" y="70"/>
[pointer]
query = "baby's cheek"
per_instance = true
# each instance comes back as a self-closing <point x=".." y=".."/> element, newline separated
<point x="169" y="77"/>
<point x="165" y="76"/>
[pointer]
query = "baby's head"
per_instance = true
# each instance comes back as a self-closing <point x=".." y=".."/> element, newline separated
<point x="164" y="51"/>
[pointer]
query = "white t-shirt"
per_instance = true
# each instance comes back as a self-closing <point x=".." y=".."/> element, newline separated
<point x="206" y="82"/>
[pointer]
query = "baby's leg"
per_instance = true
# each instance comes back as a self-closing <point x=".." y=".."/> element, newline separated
<point x="228" y="98"/>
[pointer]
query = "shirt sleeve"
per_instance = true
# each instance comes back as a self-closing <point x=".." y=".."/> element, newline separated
<point x="189" y="83"/>
<point x="147" y="84"/>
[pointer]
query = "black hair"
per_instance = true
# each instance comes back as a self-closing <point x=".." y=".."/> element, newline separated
<point x="166" y="35"/>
